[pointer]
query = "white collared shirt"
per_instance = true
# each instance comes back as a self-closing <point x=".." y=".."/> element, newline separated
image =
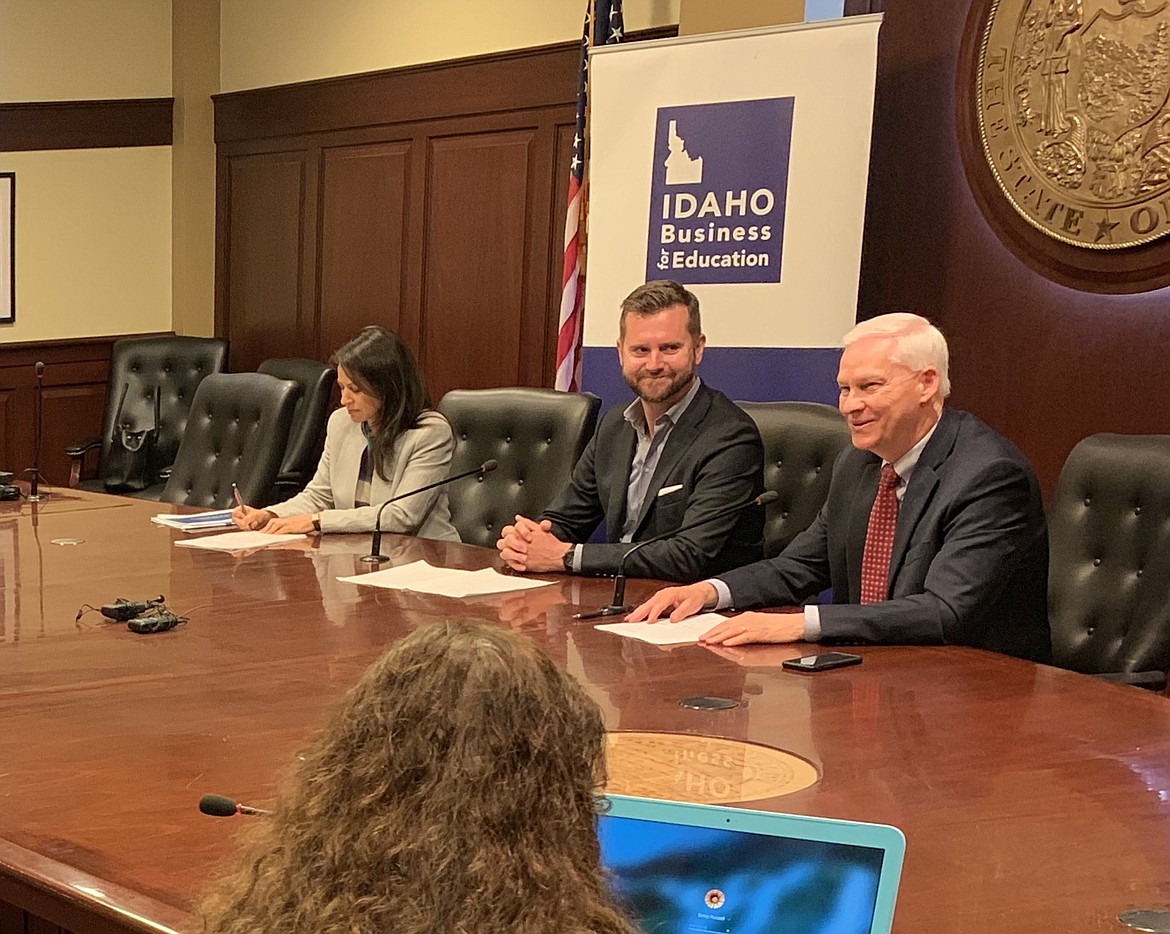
<point x="647" y="454"/>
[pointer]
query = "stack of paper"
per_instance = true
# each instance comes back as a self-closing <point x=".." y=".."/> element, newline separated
<point x="238" y="541"/>
<point x="196" y="521"/>
<point x="422" y="577"/>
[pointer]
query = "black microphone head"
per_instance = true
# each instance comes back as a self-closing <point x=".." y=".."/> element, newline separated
<point x="218" y="806"/>
<point x="489" y="465"/>
<point x="768" y="496"/>
<point x="40" y="368"/>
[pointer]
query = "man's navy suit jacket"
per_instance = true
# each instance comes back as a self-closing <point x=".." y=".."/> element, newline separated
<point x="970" y="557"/>
<point x="712" y="460"/>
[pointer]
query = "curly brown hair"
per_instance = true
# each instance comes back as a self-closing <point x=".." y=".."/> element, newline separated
<point x="454" y="791"/>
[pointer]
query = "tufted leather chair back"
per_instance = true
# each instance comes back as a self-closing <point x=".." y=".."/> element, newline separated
<point x="801" y="442"/>
<point x="537" y="435"/>
<point x="236" y="433"/>
<point x="1109" y="564"/>
<point x="307" y="437"/>
<point x="173" y="365"/>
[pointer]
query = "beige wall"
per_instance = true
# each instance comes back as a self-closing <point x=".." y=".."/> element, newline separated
<point x="93" y="242"/>
<point x="93" y="227"/>
<point x="265" y="43"/>
<point x="85" y="49"/>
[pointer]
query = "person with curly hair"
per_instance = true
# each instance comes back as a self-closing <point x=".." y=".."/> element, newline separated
<point x="455" y="790"/>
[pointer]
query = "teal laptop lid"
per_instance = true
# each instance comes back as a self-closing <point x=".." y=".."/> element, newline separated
<point x="696" y="869"/>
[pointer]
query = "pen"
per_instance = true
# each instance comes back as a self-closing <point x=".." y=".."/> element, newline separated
<point x="236" y="494"/>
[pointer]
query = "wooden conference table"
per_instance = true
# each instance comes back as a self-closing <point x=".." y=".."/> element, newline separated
<point x="1032" y="799"/>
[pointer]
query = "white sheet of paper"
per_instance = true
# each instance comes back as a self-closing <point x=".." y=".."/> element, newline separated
<point x="665" y="632"/>
<point x="392" y="578"/>
<point x="237" y="541"/>
<point x="421" y="577"/>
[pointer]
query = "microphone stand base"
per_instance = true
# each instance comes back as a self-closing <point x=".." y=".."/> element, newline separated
<point x="374" y="559"/>
<point x="605" y="611"/>
<point x="35" y="493"/>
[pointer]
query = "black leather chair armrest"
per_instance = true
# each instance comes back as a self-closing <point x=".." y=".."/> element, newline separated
<point x="78" y="448"/>
<point x="1150" y="680"/>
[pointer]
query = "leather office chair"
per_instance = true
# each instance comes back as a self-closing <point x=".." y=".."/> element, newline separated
<point x="536" y="435"/>
<point x="236" y="433"/>
<point x="801" y="442"/>
<point x="146" y="373"/>
<point x="1109" y="566"/>
<point x="307" y="437"/>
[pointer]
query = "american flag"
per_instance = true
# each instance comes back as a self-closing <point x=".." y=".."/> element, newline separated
<point x="605" y="18"/>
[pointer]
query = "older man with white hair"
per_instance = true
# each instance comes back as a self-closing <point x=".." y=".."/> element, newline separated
<point x="933" y="531"/>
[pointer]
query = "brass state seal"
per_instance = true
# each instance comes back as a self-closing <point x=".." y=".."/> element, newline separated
<point x="1074" y="115"/>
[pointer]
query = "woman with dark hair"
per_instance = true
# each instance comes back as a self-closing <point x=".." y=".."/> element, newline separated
<point x="453" y="791"/>
<point x="384" y="440"/>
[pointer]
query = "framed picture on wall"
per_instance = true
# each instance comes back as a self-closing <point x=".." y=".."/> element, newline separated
<point x="7" y="247"/>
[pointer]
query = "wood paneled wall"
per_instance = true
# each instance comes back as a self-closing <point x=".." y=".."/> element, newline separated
<point x="428" y="199"/>
<point x="1044" y="363"/>
<point x="76" y="372"/>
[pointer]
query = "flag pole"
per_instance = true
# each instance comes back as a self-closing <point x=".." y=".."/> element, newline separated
<point x="583" y="220"/>
<point x="571" y="313"/>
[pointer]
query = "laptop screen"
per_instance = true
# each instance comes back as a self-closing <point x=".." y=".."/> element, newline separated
<point x="758" y="873"/>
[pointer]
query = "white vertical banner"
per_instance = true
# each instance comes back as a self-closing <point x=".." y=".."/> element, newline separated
<point x="736" y="164"/>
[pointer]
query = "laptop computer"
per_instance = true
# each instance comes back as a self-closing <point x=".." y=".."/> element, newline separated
<point x="697" y="869"/>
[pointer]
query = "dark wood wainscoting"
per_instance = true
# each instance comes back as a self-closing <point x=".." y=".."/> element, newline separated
<point x="86" y="124"/>
<point x="76" y="374"/>
<point x="427" y="199"/>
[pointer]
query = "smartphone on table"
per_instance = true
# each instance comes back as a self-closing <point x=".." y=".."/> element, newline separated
<point x="822" y="662"/>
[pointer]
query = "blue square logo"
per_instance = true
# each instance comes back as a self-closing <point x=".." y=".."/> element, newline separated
<point x="718" y="192"/>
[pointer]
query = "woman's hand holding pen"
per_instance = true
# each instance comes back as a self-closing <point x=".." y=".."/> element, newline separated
<point x="247" y="518"/>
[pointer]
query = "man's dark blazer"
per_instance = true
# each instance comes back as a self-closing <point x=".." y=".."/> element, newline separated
<point x="716" y="459"/>
<point x="970" y="558"/>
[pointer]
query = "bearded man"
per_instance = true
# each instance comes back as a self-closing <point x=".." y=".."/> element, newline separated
<point x="680" y="452"/>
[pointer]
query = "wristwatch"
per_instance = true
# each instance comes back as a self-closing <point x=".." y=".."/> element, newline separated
<point x="315" y="518"/>
<point x="567" y="558"/>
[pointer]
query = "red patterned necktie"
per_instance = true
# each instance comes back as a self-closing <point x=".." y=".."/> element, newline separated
<point x="879" y="538"/>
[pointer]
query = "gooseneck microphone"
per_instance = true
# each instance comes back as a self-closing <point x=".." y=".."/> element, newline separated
<point x="617" y="606"/>
<point x="34" y="494"/>
<point x="375" y="556"/>
<point x="220" y="806"/>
